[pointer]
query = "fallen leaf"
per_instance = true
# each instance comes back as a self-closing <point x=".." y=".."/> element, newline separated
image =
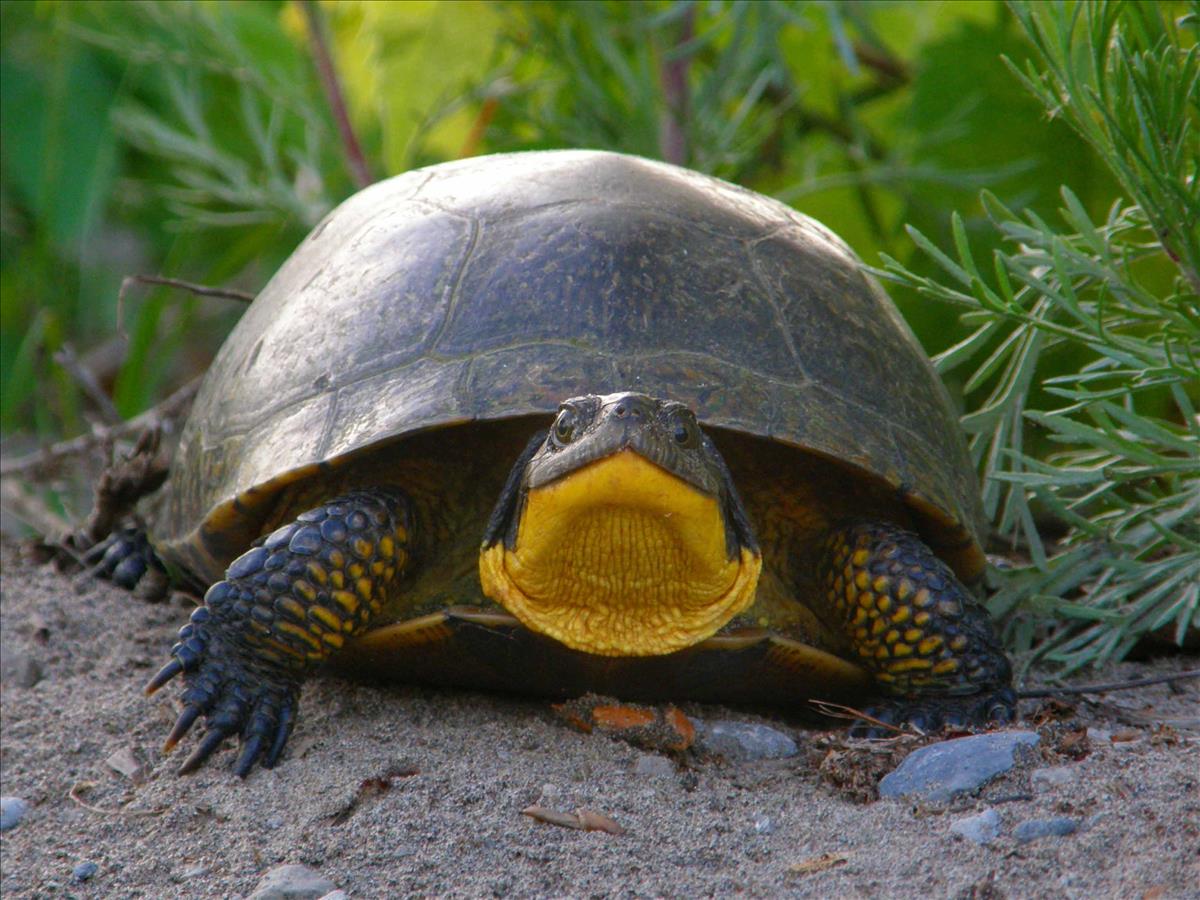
<point x="617" y="718"/>
<point x="655" y="728"/>
<point x="372" y="787"/>
<point x="594" y="821"/>
<point x="580" y="820"/>
<point x="818" y="863"/>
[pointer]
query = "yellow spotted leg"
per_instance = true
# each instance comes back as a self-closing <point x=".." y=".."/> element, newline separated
<point x="281" y="609"/>
<point x="930" y="644"/>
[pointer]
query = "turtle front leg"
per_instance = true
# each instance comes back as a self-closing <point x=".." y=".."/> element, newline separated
<point x="282" y="609"/>
<point x="929" y="643"/>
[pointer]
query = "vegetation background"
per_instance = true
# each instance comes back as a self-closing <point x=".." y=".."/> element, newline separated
<point x="198" y="140"/>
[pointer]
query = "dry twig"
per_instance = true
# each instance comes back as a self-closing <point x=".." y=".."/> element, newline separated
<point x="73" y="793"/>
<point x="44" y="463"/>
<point x="66" y="357"/>
<point x="841" y="711"/>
<point x="1109" y="686"/>
<point x="355" y="160"/>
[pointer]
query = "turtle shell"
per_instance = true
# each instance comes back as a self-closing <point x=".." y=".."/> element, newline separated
<point x="498" y="286"/>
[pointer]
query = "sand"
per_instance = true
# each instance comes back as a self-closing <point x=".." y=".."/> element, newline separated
<point x="413" y="791"/>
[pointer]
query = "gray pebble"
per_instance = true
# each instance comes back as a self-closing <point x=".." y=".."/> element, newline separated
<point x="653" y="766"/>
<point x="1054" y="776"/>
<point x="274" y="822"/>
<point x="84" y="870"/>
<point x="939" y="771"/>
<point x="292" y="882"/>
<point x="764" y="825"/>
<point x="20" y="668"/>
<point x="744" y="741"/>
<point x="1032" y="829"/>
<point x="12" y="811"/>
<point x="981" y="829"/>
<point x="339" y="894"/>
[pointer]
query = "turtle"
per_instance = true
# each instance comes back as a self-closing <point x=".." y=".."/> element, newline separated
<point x="574" y="421"/>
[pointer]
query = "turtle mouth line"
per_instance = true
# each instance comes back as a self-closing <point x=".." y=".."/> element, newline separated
<point x="621" y="558"/>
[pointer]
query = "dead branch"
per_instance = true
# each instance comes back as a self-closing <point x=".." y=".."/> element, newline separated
<point x="66" y="357"/>
<point x="1110" y="686"/>
<point x="355" y="160"/>
<point x="45" y="463"/>
<point x="121" y="485"/>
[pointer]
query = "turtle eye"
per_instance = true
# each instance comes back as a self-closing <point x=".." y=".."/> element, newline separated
<point x="684" y="430"/>
<point x="565" y="427"/>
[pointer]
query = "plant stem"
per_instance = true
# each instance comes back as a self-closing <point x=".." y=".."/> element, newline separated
<point x="672" y="135"/>
<point x="355" y="161"/>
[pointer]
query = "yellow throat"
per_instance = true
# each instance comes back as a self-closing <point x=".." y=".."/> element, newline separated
<point x="621" y="558"/>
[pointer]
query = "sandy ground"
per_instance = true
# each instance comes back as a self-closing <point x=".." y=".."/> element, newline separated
<point x="418" y="792"/>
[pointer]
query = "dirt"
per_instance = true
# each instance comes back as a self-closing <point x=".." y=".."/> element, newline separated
<point x="412" y="791"/>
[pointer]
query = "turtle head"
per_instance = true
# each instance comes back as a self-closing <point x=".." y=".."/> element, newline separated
<point x="620" y="532"/>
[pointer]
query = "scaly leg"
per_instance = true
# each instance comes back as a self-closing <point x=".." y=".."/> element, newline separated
<point x="929" y="643"/>
<point x="284" y="607"/>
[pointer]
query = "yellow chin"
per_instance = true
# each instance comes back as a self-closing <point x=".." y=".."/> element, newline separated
<point x="621" y="558"/>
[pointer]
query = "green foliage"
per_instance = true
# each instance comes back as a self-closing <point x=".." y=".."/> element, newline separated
<point x="1119" y="460"/>
<point x="215" y="149"/>
<point x="866" y="116"/>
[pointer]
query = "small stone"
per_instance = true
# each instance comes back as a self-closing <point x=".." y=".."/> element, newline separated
<point x="20" y="668"/>
<point x="744" y="741"/>
<point x="339" y="894"/>
<point x="764" y="825"/>
<point x="1098" y="736"/>
<point x="12" y="811"/>
<point x="651" y="765"/>
<point x="194" y="872"/>
<point x="274" y="822"/>
<point x="1032" y="829"/>
<point x="981" y="829"/>
<point x="126" y="763"/>
<point x="28" y="671"/>
<point x="939" y="771"/>
<point x="1054" y="776"/>
<point x="292" y="882"/>
<point x="84" y="871"/>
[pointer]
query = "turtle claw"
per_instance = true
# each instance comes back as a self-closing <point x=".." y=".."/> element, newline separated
<point x="212" y="740"/>
<point x="232" y="699"/>
<point x="287" y="719"/>
<point x="165" y="674"/>
<point x="932" y="713"/>
<point x="182" y="725"/>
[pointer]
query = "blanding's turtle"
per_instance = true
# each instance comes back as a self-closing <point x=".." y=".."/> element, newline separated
<point x="753" y="490"/>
